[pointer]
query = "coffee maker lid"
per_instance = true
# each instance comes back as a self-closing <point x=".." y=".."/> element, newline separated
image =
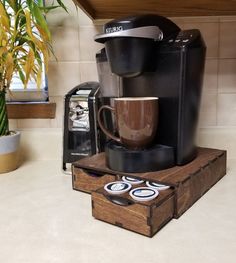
<point x="150" y="32"/>
<point x="150" y="26"/>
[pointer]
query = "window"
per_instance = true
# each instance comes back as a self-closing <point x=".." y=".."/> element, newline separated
<point x="30" y="102"/>
<point x="32" y="93"/>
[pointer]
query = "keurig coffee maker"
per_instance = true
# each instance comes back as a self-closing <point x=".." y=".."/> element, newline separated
<point x="82" y="137"/>
<point x="154" y="57"/>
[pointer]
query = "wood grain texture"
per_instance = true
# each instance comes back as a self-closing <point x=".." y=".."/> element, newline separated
<point x="173" y="176"/>
<point x="145" y="218"/>
<point x="87" y="182"/>
<point x="189" y="191"/>
<point x="46" y="110"/>
<point x="104" y="9"/>
<point x="162" y="214"/>
<point x="86" y="7"/>
<point x="189" y="183"/>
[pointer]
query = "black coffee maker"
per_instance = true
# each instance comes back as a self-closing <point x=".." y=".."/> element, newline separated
<point x="154" y="57"/>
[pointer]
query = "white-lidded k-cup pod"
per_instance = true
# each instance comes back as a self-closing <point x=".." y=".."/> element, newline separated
<point x="157" y="186"/>
<point x="117" y="187"/>
<point x="132" y="180"/>
<point x="143" y="194"/>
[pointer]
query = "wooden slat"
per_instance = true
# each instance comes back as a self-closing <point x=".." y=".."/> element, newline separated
<point x="188" y="192"/>
<point x="172" y="176"/>
<point x="132" y="217"/>
<point x="142" y="217"/>
<point x="85" y="182"/>
<point x="45" y="110"/>
<point x="106" y="9"/>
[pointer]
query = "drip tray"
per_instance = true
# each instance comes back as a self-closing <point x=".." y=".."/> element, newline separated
<point x="155" y="158"/>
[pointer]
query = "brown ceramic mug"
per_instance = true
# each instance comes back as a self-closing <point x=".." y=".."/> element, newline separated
<point x="136" y="119"/>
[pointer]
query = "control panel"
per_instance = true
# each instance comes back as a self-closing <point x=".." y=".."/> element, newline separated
<point x="185" y="38"/>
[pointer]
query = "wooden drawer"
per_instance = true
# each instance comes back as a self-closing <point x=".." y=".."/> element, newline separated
<point x="142" y="217"/>
<point x="87" y="181"/>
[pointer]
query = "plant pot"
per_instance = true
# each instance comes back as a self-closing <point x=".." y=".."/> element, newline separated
<point x="9" y="152"/>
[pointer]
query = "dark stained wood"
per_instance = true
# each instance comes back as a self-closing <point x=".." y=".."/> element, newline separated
<point x="86" y="6"/>
<point x="197" y="184"/>
<point x="46" y="110"/>
<point x="172" y="176"/>
<point x="188" y="184"/>
<point x="85" y="181"/>
<point x="142" y="217"/>
<point x="162" y="214"/>
<point x="107" y="9"/>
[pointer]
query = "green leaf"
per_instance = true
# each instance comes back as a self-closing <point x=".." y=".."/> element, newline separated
<point x="41" y="20"/>
<point x="12" y="4"/>
<point x="40" y="3"/>
<point x="62" y="5"/>
<point x="39" y="59"/>
<point x="47" y="9"/>
<point x="21" y="75"/>
<point x="4" y="125"/>
<point x="22" y="19"/>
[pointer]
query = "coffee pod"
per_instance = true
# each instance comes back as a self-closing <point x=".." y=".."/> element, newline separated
<point x="157" y="186"/>
<point x="143" y="194"/>
<point x="132" y="180"/>
<point x="118" y="187"/>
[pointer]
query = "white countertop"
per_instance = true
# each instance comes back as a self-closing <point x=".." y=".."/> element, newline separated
<point x="43" y="220"/>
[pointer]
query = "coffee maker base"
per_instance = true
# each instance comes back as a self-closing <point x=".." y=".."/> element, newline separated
<point x="155" y="158"/>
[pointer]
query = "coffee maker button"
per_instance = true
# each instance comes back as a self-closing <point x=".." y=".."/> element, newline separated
<point x="186" y="40"/>
<point x="177" y="40"/>
<point x="171" y="40"/>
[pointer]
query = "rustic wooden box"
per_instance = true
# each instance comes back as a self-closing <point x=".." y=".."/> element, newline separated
<point x="188" y="183"/>
<point x="142" y="217"/>
<point x="87" y="181"/>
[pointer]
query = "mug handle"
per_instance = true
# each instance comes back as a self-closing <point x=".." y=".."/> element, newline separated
<point x="100" y="122"/>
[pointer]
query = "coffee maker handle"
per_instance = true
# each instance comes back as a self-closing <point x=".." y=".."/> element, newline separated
<point x="100" y="122"/>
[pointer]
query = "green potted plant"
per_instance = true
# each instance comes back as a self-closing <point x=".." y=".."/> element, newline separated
<point x="25" y="46"/>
